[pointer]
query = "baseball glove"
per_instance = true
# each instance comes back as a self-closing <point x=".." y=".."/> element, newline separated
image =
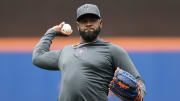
<point x="125" y="86"/>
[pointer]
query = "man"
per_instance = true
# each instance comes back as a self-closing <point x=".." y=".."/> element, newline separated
<point x="88" y="67"/>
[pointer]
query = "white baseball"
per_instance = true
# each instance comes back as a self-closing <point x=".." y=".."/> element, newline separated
<point x="66" y="28"/>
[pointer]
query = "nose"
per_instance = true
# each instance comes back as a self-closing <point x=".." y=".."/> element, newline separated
<point x="89" y="23"/>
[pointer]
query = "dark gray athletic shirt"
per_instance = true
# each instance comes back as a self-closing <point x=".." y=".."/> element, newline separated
<point x="86" y="69"/>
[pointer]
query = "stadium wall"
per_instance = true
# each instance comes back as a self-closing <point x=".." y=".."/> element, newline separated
<point x="157" y="59"/>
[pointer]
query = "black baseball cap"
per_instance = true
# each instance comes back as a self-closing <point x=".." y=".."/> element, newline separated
<point x="88" y="9"/>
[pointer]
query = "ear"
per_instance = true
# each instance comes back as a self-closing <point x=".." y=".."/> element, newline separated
<point x="100" y="23"/>
<point x="77" y="24"/>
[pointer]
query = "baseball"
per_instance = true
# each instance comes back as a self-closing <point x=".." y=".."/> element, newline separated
<point x="66" y="28"/>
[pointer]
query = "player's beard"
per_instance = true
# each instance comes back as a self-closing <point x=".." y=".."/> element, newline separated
<point x="89" y="36"/>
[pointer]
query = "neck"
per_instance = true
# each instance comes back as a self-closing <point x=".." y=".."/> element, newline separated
<point x="84" y="41"/>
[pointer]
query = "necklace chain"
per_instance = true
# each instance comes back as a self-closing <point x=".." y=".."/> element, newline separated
<point x="82" y="44"/>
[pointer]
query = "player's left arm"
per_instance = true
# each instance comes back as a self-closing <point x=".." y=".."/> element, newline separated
<point x="122" y="60"/>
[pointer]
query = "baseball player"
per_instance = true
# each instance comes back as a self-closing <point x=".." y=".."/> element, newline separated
<point x="86" y="68"/>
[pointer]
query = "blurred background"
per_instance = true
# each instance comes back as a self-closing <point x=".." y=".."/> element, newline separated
<point x="148" y="29"/>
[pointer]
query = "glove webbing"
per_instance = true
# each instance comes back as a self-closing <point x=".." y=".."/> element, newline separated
<point x="139" y="96"/>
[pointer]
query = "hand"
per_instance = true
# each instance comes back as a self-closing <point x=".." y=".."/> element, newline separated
<point x="59" y="30"/>
<point x="126" y="86"/>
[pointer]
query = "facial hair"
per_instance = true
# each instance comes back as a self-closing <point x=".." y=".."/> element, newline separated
<point x="89" y="36"/>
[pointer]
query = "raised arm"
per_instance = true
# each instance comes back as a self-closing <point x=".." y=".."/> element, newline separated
<point x="44" y="58"/>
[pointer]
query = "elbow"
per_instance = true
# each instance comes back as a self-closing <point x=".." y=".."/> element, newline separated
<point x="35" y="61"/>
<point x="34" y="57"/>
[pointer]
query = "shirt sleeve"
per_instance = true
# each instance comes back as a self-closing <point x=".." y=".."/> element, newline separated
<point x="122" y="60"/>
<point x="44" y="58"/>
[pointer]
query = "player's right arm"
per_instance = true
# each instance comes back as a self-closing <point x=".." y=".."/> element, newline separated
<point x="44" y="58"/>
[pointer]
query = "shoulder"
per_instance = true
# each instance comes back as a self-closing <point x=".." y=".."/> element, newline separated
<point x="67" y="47"/>
<point x="116" y="49"/>
<point x="113" y="48"/>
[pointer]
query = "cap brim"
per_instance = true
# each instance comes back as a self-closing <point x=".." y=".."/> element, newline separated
<point x="88" y="14"/>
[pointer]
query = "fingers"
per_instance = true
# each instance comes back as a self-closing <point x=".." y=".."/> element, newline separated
<point x="70" y="32"/>
<point x="61" y="24"/>
<point x="59" y="30"/>
<point x="67" y="33"/>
